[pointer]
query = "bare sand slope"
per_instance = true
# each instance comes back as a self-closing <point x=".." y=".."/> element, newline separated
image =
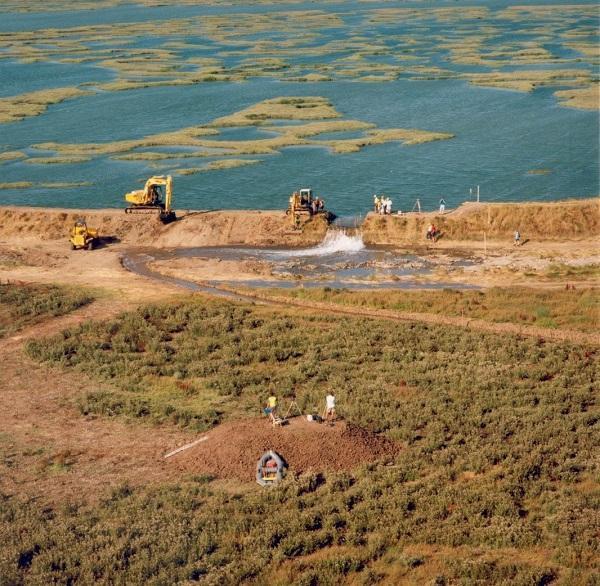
<point x="558" y="221"/>
<point x="218" y="228"/>
<point x="234" y="227"/>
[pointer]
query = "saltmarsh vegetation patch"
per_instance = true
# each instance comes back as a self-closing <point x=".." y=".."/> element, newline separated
<point x="24" y="305"/>
<point x="17" y="108"/>
<point x="50" y="185"/>
<point x="586" y="98"/>
<point x="218" y="165"/>
<point x="495" y="481"/>
<point x="57" y="160"/>
<point x="367" y="44"/>
<point x="278" y="116"/>
<point x="11" y="156"/>
<point x="576" y="309"/>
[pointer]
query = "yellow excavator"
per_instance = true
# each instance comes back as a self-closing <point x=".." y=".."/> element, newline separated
<point x="82" y="236"/>
<point x="157" y="195"/>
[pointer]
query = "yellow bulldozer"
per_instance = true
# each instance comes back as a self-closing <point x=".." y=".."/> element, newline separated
<point x="303" y="202"/>
<point x="157" y="195"/>
<point x="83" y="237"/>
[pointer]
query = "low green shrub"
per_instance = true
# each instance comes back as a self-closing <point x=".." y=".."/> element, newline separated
<point x="24" y="305"/>
<point x="575" y="309"/>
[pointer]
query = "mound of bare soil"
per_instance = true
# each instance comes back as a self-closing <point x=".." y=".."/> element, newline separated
<point x="233" y="449"/>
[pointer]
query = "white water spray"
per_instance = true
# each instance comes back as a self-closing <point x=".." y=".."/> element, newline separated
<point x="335" y="241"/>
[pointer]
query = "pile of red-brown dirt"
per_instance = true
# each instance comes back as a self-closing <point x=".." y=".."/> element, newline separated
<point x="232" y="450"/>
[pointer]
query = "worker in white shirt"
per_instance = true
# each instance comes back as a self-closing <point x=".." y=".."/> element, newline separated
<point x="330" y="408"/>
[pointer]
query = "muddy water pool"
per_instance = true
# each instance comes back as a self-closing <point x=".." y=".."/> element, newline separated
<point x="339" y="262"/>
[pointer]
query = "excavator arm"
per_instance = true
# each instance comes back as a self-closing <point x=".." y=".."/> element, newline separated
<point x="168" y="193"/>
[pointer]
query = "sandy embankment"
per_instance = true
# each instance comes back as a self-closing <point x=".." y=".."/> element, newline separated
<point x="34" y="243"/>
<point x="473" y="225"/>
<point x="193" y="228"/>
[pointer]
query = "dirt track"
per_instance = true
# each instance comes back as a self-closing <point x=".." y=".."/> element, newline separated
<point x="52" y="262"/>
<point x="52" y="452"/>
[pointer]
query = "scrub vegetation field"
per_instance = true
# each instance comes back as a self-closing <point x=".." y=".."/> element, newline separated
<point x="576" y="309"/>
<point x="25" y="305"/>
<point x="495" y="480"/>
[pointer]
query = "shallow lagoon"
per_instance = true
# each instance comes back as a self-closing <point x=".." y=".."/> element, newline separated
<point x="501" y="136"/>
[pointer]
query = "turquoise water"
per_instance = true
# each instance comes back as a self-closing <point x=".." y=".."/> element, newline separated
<point x="500" y="135"/>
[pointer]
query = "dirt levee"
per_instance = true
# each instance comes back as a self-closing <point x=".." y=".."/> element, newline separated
<point x="233" y="449"/>
<point x="268" y="228"/>
<point x="573" y="219"/>
<point x="218" y="228"/>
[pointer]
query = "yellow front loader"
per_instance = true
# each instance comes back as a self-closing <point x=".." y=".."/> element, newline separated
<point x="82" y="236"/>
<point x="157" y="195"/>
<point x="301" y="202"/>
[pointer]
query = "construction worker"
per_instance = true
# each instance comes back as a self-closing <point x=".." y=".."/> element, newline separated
<point x="376" y="203"/>
<point x="330" y="408"/>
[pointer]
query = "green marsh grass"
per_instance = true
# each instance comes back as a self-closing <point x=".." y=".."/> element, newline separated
<point x="24" y="305"/>
<point x="498" y="437"/>
<point x="577" y="309"/>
